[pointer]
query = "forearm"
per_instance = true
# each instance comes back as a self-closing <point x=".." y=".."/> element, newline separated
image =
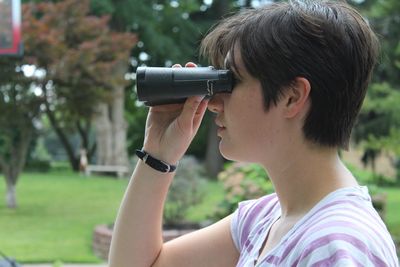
<point x="137" y="236"/>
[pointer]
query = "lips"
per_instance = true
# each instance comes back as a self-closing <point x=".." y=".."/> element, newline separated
<point x="219" y="123"/>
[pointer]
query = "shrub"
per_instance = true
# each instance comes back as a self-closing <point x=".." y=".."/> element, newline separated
<point x="186" y="190"/>
<point x="36" y="165"/>
<point x="242" y="181"/>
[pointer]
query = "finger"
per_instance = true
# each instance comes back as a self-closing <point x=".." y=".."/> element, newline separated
<point x="177" y="66"/>
<point x="201" y="110"/>
<point x="166" y="107"/>
<point x="189" y="110"/>
<point x="190" y="65"/>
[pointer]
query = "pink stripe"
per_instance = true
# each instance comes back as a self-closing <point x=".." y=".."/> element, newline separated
<point x="309" y="228"/>
<point x="272" y="259"/>
<point x="252" y="213"/>
<point x="339" y="254"/>
<point x="324" y="226"/>
<point x="385" y="244"/>
<point x="368" y="211"/>
<point x="311" y="222"/>
<point x="313" y="230"/>
<point x="343" y="237"/>
<point x="315" y="219"/>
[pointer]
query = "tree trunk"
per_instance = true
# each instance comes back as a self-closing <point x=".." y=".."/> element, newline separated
<point x="73" y="159"/>
<point x="119" y="128"/>
<point x="111" y="129"/>
<point x="13" y="165"/>
<point x="103" y="134"/>
<point x="11" y="196"/>
<point x="214" y="159"/>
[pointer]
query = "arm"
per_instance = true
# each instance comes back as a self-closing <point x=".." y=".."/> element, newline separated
<point x="137" y="238"/>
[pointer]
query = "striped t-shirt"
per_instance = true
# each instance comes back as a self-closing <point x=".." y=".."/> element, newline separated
<point x="343" y="229"/>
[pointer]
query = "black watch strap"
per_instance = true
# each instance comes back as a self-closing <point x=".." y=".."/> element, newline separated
<point x="156" y="164"/>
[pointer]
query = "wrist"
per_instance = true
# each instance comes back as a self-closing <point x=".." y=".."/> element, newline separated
<point x="155" y="163"/>
<point x="165" y="157"/>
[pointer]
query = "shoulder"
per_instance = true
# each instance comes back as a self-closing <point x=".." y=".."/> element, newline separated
<point x="251" y="209"/>
<point x="348" y="231"/>
<point x="345" y="249"/>
<point x="248" y="215"/>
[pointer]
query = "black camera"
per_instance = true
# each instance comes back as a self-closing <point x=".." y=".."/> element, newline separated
<point x="158" y="86"/>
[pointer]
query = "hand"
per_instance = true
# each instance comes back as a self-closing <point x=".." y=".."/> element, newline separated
<point x="171" y="128"/>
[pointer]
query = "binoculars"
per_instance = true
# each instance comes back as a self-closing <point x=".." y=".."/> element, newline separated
<point x="159" y="86"/>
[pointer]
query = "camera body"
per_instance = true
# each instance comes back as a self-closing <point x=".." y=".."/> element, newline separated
<point x="158" y="85"/>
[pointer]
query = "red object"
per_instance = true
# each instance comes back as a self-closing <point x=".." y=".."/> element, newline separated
<point x="10" y="27"/>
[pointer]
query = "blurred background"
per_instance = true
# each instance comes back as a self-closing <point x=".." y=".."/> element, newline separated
<point x="70" y="122"/>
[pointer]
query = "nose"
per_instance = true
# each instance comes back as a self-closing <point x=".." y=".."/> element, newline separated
<point x="216" y="104"/>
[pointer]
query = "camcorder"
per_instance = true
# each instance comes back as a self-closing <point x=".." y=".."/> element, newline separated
<point x="159" y="86"/>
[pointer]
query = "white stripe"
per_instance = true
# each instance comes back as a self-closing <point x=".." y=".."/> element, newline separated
<point x="235" y="230"/>
<point x="367" y="210"/>
<point x="366" y="226"/>
<point x="326" y="251"/>
<point x="344" y="263"/>
<point x="246" y="208"/>
<point x="304" y="244"/>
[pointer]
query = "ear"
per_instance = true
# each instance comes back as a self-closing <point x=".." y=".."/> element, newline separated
<point x="296" y="97"/>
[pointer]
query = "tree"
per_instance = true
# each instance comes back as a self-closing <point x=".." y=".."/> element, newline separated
<point x="169" y="32"/>
<point x="19" y="108"/>
<point x="167" y="35"/>
<point x="378" y="123"/>
<point x="84" y="64"/>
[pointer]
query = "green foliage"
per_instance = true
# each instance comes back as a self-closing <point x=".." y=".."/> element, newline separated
<point x="378" y="128"/>
<point x="82" y="59"/>
<point x="214" y="194"/>
<point x="166" y="35"/>
<point x="185" y="191"/>
<point x="101" y="7"/>
<point x="135" y="115"/>
<point x="379" y="121"/>
<point x="37" y="165"/>
<point x="19" y="108"/>
<point x="165" y="31"/>
<point x="242" y="181"/>
<point x="392" y="210"/>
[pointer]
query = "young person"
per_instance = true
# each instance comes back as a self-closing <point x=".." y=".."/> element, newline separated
<point x="302" y="70"/>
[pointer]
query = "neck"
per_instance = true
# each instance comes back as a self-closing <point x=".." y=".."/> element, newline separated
<point x="305" y="175"/>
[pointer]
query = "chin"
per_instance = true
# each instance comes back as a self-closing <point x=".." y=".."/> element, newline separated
<point x="227" y="152"/>
<point x="232" y="153"/>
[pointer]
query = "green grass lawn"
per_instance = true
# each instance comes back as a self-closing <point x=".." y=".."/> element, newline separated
<point x="56" y="215"/>
<point x="58" y="211"/>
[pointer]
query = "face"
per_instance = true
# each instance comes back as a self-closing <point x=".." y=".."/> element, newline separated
<point x="246" y="129"/>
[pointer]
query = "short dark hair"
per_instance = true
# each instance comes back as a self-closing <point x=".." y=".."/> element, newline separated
<point x="327" y="42"/>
